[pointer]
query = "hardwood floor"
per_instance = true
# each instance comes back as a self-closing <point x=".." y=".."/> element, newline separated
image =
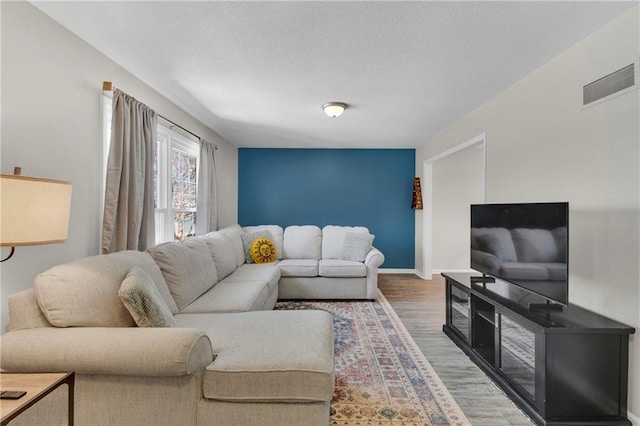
<point x="420" y="305"/>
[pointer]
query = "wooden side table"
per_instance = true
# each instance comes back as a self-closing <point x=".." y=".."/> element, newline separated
<point x="37" y="386"/>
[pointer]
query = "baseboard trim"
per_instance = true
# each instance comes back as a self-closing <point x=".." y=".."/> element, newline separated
<point x="463" y="271"/>
<point x="635" y="420"/>
<point x="396" y="271"/>
<point x="420" y="273"/>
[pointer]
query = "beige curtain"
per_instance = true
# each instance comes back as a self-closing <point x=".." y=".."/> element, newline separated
<point x="128" y="203"/>
<point x="206" y="207"/>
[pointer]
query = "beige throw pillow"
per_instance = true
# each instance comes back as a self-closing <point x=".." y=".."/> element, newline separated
<point x="143" y="300"/>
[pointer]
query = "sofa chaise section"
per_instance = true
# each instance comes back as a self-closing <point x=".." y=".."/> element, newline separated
<point x="280" y="363"/>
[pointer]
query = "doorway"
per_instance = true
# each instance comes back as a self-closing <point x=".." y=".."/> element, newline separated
<point x="452" y="180"/>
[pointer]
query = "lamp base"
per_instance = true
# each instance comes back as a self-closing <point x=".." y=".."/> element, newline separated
<point x="13" y="249"/>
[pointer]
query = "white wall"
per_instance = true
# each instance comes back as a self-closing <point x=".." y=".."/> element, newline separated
<point x="458" y="182"/>
<point x="51" y="127"/>
<point x="543" y="146"/>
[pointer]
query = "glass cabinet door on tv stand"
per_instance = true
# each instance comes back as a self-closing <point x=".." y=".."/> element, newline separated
<point x="517" y="354"/>
<point x="458" y="312"/>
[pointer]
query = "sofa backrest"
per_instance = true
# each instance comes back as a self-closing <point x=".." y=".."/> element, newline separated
<point x="222" y="251"/>
<point x="234" y="232"/>
<point x="535" y="245"/>
<point x="187" y="267"/>
<point x="496" y="241"/>
<point x="302" y="242"/>
<point x="84" y="292"/>
<point x="333" y="239"/>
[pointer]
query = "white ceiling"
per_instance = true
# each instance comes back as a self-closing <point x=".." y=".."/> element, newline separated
<point x="258" y="72"/>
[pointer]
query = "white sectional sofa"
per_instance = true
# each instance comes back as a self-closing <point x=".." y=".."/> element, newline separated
<point x="222" y="355"/>
<point x="313" y="264"/>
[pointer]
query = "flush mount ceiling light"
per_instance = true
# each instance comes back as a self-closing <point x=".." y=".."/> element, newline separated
<point x="334" y="109"/>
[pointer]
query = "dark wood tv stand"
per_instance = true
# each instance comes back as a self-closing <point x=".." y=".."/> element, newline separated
<point x="567" y="367"/>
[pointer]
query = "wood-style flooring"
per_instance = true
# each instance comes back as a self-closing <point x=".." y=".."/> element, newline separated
<point x="420" y="304"/>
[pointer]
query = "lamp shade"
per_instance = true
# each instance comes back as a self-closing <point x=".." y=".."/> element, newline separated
<point x="33" y="211"/>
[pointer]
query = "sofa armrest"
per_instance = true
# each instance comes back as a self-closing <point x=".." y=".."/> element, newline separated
<point x="484" y="261"/>
<point x="123" y="351"/>
<point x="374" y="258"/>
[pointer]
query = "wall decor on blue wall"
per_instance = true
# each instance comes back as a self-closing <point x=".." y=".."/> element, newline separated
<point x="354" y="187"/>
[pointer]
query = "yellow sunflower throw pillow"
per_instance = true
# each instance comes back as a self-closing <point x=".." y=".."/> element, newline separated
<point x="262" y="250"/>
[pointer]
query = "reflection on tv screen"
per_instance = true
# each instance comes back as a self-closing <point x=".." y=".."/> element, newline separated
<point x="525" y="244"/>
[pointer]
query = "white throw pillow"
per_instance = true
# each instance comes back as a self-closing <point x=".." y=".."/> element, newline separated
<point x="143" y="300"/>
<point x="356" y="246"/>
<point x="333" y="239"/>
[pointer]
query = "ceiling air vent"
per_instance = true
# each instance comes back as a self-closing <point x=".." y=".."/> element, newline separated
<point x="609" y="84"/>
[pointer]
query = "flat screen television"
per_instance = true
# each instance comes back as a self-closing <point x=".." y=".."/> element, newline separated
<point x="526" y="244"/>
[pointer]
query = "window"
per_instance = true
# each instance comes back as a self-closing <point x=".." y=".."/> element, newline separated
<point x="175" y="179"/>
<point x="175" y="185"/>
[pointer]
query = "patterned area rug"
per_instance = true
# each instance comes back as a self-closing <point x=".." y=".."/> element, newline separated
<point x="382" y="377"/>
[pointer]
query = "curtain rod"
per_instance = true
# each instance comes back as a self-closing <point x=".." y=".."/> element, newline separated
<point x="108" y="87"/>
<point x="179" y="127"/>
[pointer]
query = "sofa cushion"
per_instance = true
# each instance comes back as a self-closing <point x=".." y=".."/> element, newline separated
<point x="524" y="271"/>
<point x="333" y="239"/>
<point x="84" y="292"/>
<point x="222" y="251"/>
<point x="276" y="234"/>
<point x="187" y="268"/>
<point x="534" y="245"/>
<point x="270" y="356"/>
<point x="556" y="271"/>
<point x="226" y="296"/>
<point x="143" y="300"/>
<point x="268" y="273"/>
<point x="341" y="268"/>
<point x="234" y="232"/>
<point x="247" y="289"/>
<point x="356" y="246"/>
<point x="496" y="241"/>
<point x="264" y="272"/>
<point x="299" y="267"/>
<point x="302" y="242"/>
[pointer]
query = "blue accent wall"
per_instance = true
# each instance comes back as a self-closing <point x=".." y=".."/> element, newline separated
<point x="355" y="187"/>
